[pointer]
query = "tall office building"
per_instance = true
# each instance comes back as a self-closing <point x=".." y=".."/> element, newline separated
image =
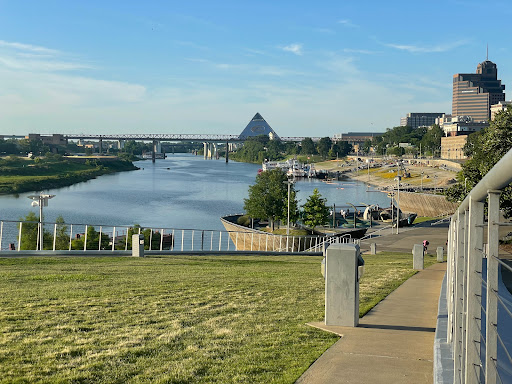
<point x="474" y="93"/>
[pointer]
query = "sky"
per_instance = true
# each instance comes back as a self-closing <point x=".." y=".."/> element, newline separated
<point x="310" y="68"/>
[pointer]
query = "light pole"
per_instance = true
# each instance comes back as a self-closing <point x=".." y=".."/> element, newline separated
<point x="40" y="200"/>
<point x="422" y="180"/>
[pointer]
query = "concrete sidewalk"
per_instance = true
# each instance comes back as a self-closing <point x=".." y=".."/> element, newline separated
<point x="394" y="341"/>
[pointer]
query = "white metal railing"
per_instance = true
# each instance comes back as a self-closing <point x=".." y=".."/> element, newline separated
<point x="479" y="307"/>
<point x="25" y="235"/>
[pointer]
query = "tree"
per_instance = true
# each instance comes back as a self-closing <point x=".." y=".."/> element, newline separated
<point x="315" y="212"/>
<point x="268" y="197"/>
<point x="486" y="148"/>
<point x="323" y="146"/>
<point x="307" y="147"/>
<point x="341" y="148"/>
<point x="29" y="232"/>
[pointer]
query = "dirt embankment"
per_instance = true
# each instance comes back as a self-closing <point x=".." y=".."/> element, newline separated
<point x="382" y="174"/>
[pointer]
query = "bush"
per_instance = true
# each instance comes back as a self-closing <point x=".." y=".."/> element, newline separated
<point x="244" y="220"/>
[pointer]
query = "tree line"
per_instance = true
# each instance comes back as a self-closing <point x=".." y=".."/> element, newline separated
<point x="260" y="148"/>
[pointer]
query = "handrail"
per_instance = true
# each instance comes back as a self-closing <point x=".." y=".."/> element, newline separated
<point x="473" y="292"/>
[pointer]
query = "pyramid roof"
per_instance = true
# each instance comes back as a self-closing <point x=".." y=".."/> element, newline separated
<point x="258" y="126"/>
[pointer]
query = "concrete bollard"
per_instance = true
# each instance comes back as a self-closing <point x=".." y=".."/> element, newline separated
<point x="417" y="257"/>
<point x="440" y="257"/>
<point x="373" y="248"/>
<point x="138" y="245"/>
<point x="342" y="285"/>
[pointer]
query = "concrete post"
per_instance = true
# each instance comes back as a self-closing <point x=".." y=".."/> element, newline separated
<point x="440" y="256"/>
<point x="205" y="150"/>
<point x="138" y="245"/>
<point x="100" y="147"/>
<point x="341" y="285"/>
<point x="417" y="257"/>
<point x="227" y="151"/>
<point x="153" y="154"/>
<point x="373" y="248"/>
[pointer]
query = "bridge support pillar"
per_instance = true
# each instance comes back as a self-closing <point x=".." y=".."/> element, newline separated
<point x="100" y="147"/>
<point x="205" y="150"/>
<point x="153" y="153"/>
<point x="227" y="151"/>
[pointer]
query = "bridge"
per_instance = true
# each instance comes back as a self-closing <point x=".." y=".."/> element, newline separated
<point x="209" y="141"/>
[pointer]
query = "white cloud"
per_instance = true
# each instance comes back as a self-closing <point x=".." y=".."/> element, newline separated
<point x="347" y="23"/>
<point x="27" y="47"/>
<point x="427" y="49"/>
<point x="294" y="48"/>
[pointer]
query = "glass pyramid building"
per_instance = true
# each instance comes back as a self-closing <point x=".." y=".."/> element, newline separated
<point x="258" y="126"/>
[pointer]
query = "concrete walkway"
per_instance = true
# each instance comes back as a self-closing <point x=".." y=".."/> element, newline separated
<point x="394" y="341"/>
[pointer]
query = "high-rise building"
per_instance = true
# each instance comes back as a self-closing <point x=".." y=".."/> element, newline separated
<point x="474" y="93"/>
<point x="415" y="120"/>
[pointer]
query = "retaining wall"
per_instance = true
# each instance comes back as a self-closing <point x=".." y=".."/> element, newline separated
<point x="425" y="204"/>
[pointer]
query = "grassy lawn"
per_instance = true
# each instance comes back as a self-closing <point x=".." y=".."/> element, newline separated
<point x="174" y="319"/>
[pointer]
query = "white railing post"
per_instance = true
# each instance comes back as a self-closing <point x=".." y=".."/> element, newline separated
<point x="113" y="238"/>
<point x="491" y="338"/>
<point x="192" y="240"/>
<point x="54" y="235"/>
<point x="162" y="238"/>
<point x="70" y="235"/>
<point x="150" y="238"/>
<point x="19" y="236"/>
<point x="1" y="233"/>
<point x="85" y="239"/>
<point x="99" y="239"/>
<point x="474" y="291"/>
<point x="182" y="239"/>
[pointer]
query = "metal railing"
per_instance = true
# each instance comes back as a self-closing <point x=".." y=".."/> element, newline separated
<point x="479" y="306"/>
<point x="16" y="236"/>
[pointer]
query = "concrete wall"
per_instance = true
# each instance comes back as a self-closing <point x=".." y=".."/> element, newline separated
<point x="425" y="204"/>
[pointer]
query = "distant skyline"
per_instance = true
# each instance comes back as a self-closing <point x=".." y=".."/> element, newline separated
<point x="309" y="68"/>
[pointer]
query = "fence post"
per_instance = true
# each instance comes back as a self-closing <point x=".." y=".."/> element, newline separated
<point x="113" y="238"/>
<point x="342" y="285"/>
<point x="491" y="338"/>
<point x="19" y="236"/>
<point x="474" y="290"/>
<point x="54" y="235"/>
<point x="70" y="235"/>
<point x="85" y="238"/>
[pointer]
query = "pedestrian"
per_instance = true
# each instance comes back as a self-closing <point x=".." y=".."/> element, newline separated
<point x="425" y="245"/>
<point x="343" y="213"/>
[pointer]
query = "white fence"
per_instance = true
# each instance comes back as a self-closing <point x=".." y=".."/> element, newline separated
<point x="18" y="236"/>
<point x="479" y="306"/>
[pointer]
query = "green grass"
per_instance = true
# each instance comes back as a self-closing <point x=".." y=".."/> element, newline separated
<point x="18" y="176"/>
<point x="175" y="319"/>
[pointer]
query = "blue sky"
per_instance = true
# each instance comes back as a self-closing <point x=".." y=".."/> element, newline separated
<point x="310" y="68"/>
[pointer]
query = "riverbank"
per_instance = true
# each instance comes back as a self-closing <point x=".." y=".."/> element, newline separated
<point x="18" y="175"/>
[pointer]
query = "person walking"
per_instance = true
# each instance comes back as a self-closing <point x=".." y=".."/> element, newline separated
<point x="425" y="246"/>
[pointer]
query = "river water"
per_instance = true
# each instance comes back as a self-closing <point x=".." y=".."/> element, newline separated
<point x="183" y="191"/>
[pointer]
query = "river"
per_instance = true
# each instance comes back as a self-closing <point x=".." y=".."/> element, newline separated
<point x="183" y="191"/>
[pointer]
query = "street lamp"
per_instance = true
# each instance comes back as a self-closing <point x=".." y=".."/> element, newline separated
<point x="40" y="200"/>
